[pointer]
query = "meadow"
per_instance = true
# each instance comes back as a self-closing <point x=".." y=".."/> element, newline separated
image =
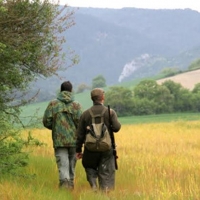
<point x="157" y="161"/>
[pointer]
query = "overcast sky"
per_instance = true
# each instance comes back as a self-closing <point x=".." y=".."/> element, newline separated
<point x="152" y="4"/>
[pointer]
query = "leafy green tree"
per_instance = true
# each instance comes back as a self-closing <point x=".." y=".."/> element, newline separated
<point x="184" y="101"/>
<point x="196" y="88"/>
<point x="173" y="87"/>
<point x="160" y="95"/>
<point x="82" y="87"/>
<point x="170" y="71"/>
<point x="30" y="46"/>
<point x="195" y="101"/>
<point x="178" y="92"/>
<point x="143" y="106"/>
<point x="120" y="99"/>
<point x="99" y="82"/>
<point x="164" y="100"/>
<point x="12" y="146"/>
<point x="30" y="43"/>
<point x="146" y="89"/>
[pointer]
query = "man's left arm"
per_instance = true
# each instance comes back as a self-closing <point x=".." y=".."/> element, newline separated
<point x="48" y="117"/>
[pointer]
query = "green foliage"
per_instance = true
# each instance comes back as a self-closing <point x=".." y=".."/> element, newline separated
<point x="120" y="99"/>
<point x="173" y="87"/>
<point x="195" y="99"/>
<point x="30" y="43"/>
<point x="194" y="65"/>
<point x="31" y="39"/>
<point x="196" y="88"/>
<point x="163" y="99"/>
<point x="169" y="97"/>
<point x="146" y="89"/>
<point x="182" y="98"/>
<point x="170" y="71"/>
<point x="82" y="87"/>
<point x="12" y="146"/>
<point x="99" y="82"/>
<point x="143" y="106"/>
<point x="150" y="98"/>
<point x="159" y="97"/>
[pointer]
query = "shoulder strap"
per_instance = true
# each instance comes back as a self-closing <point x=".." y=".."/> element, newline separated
<point x="97" y="115"/>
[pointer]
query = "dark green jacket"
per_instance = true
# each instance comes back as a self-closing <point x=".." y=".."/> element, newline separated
<point x="62" y="117"/>
<point x="86" y="120"/>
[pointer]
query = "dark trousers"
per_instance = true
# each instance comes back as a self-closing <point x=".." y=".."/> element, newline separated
<point x="99" y="166"/>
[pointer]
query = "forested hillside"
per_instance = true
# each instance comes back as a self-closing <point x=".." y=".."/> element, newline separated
<point x="127" y="44"/>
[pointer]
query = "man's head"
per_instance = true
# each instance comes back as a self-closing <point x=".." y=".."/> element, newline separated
<point x="66" y="86"/>
<point x="97" y="95"/>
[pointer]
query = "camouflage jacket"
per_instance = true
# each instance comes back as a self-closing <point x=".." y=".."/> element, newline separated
<point x="62" y="117"/>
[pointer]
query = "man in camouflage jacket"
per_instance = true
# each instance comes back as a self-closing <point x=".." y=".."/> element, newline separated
<point x="62" y="117"/>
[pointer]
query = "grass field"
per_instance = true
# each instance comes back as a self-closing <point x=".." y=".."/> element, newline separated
<point x="157" y="161"/>
<point x="159" y="118"/>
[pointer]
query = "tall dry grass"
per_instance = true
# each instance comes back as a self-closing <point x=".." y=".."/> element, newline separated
<point x="156" y="162"/>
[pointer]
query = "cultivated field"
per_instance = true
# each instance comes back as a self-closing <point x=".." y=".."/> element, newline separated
<point x="187" y="80"/>
<point x="157" y="161"/>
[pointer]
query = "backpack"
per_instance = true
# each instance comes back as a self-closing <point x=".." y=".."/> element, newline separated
<point x="98" y="136"/>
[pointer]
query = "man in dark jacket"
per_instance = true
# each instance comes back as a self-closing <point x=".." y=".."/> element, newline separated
<point x="62" y="117"/>
<point x="98" y="165"/>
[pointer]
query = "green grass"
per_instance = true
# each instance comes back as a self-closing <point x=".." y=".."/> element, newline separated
<point x="159" y="118"/>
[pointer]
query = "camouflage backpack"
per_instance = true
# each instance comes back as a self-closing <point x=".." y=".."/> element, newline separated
<point x="98" y="136"/>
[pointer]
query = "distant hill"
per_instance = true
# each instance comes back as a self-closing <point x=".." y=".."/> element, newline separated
<point x="187" y="80"/>
<point x="126" y="44"/>
<point x="108" y="39"/>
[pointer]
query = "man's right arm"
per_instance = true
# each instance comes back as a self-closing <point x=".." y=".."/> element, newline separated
<point x="115" y="122"/>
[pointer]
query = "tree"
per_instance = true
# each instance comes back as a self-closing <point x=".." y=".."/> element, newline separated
<point x="146" y="89"/>
<point x="178" y="93"/>
<point x="82" y="87"/>
<point x="196" y="102"/>
<point x="170" y="71"/>
<point x="159" y="94"/>
<point x="143" y="106"/>
<point x="30" y="46"/>
<point x="120" y="99"/>
<point x="99" y="81"/>
<point x="31" y="41"/>
<point x="164" y="100"/>
<point x="196" y="88"/>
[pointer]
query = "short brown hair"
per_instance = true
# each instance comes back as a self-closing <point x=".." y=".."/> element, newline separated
<point x="96" y="94"/>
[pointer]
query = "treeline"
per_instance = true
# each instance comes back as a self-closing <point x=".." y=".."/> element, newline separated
<point x="148" y="97"/>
